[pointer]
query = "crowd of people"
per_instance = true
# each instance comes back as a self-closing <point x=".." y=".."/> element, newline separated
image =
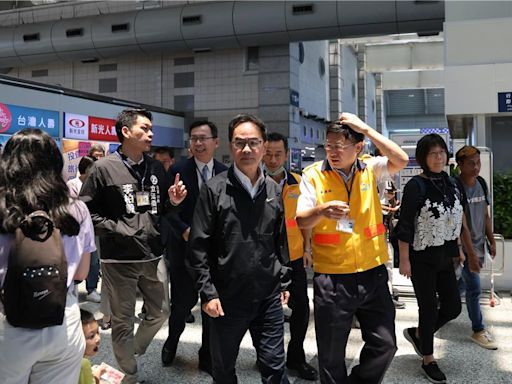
<point x="241" y="238"/>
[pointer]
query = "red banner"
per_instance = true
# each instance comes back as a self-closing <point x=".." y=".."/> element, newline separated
<point x="102" y="129"/>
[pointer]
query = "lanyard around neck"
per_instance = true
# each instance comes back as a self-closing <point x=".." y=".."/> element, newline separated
<point x="133" y="171"/>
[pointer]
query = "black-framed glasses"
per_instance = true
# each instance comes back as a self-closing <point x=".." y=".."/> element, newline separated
<point x="242" y="143"/>
<point x="200" y="139"/>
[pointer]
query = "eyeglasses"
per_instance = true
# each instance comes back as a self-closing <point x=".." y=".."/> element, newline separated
<point x="436" y="154"/>
<point x="242" y="143"/>
<point x="202" y="139"/>
<point x="337" y="146"/>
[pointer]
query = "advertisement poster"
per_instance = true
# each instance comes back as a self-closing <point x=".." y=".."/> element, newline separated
<point x="83" y="127"/>
<point x="74" y="150"/>
<point x="15" y="117"/>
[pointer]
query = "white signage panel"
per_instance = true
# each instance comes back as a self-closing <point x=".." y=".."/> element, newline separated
<point x="76" y="126"/>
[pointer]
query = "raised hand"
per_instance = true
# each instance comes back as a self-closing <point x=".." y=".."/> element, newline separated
<point x="354" y="122"/>
<point x="177" y="191"/>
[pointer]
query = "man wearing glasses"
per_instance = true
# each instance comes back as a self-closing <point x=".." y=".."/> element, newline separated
<point x="237" y="257"/>
<point x="340" y="202"/>
<point x="194" y="172"/>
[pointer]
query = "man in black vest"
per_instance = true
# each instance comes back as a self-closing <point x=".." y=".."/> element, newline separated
<point x="194" y="172"/>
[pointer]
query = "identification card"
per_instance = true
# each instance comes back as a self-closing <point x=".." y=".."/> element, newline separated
<point x="142" y="198"/>
<point x="345" y="224"/>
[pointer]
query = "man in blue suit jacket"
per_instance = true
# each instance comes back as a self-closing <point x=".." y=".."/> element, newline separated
<point x="194" y="172"/>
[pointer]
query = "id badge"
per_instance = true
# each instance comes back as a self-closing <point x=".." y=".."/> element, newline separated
<point x="142" y="198"/>
<point x="345" y="224"/>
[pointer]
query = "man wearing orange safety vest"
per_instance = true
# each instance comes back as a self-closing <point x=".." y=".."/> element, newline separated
<point x="339" y="201"/>
<point x="299" y="247"/>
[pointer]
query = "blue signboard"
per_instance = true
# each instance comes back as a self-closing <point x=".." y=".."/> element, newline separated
<point x="504" y="101"/>
<point x="14" y="118"/>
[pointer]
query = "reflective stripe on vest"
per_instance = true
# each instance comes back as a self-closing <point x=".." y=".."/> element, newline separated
<point x="340" y="252"/>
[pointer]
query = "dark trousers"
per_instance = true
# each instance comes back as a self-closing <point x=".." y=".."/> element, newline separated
<point x="183" y="299"/>
<point x="91" y="283"/>
<point x="299" y="304"/>
<point x="434" y="277"/>
<point x="338" y="297"/>
<point x="265" y="321"/>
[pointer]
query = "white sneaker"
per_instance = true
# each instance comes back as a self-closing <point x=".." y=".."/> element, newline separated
<point x="484" y="339"/>
<point x="93" y="296"/>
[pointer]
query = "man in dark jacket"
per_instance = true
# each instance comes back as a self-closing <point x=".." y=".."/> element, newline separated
<point x="126" y="193"/>
<point x="237" y="257"/>
<point x="194" y="172"/>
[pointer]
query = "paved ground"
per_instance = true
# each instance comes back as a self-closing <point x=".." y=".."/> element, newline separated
<point x="463" y="361"/>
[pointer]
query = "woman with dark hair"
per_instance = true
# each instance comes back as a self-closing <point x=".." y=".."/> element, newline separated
<point x="428" y="236"/>
<point x="31" y="180"/>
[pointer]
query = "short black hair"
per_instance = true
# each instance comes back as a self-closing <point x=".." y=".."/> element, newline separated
<point x="198" y="123"/>
<point x="85" y="163"/>
<point x="246" y="118"/>
<point x="127" y="118"/>
<point x="347" y="132"/>
<point x="165" y="150"/>
<point x="276" y="136"/>
<point x="425" y="144"/>
<point x="96" y="148"/>
<point x="86" y="317"/>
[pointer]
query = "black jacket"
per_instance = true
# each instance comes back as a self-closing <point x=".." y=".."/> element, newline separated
<point x="237" y="243"/>
<point x="126" y="231"/>
<point x="180" y="221"/>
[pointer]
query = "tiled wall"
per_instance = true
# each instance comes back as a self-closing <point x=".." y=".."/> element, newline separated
<point x="221" y="86"/>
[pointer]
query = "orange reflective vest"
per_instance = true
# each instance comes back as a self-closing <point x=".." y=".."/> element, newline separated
<point x="290" y="196"/>
<point x="340" y="252"/>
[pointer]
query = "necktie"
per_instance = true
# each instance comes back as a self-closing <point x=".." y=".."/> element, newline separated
<point x="205" y="173"/>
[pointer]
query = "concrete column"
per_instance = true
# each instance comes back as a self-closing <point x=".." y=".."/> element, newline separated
<point x="379" y="104"/>
<point x="335" y="80"/>
<point x="275" y="79"/>
<point x="479" y="130"/>
<point x="362" y="102"/>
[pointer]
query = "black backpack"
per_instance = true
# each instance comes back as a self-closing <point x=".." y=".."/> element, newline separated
<point x="35" y="286"/>
<point x="482" y="182"/>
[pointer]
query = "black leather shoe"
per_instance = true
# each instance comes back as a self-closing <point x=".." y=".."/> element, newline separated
<point x="205" y="365"/>
<point x="168" y="353"/>
<point x="304" y="370"/>
<point x="190" y="319"/>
